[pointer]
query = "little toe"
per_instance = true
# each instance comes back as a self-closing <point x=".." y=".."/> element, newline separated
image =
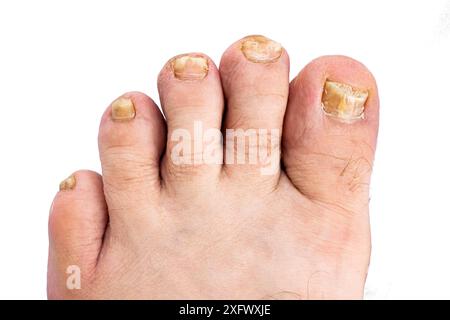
<point x="77" y="224"/>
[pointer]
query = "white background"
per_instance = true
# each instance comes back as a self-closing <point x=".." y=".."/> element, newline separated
<point x="62" y="62"/>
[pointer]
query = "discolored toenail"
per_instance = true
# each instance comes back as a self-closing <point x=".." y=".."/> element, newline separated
<point x="260" y="49"/>
<point x="123" y="109"/>
<point x="190" y="67"/>
<point x="68" y="184"/>
<point x="343" y="101"/>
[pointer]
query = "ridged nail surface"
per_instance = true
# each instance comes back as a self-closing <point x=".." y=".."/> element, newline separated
<point x="344" y="101"/>
<point x="260" y="49"/>
<point x="68" y="183"/>
<point x="123" y="109"/>
<point x="190" y="67"/>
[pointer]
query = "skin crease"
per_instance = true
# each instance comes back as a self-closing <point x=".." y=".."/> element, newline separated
<point x="149" y="229"/>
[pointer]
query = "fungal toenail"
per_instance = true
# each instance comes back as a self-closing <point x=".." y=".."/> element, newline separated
<point x="123" y="109"/>
<point x="189" y="67"/>
<point x="261" y="49"/>
<point x="343" y="101"/>
<point x="68" y="184"/>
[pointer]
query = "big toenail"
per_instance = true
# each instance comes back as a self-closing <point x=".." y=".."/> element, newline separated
<point x="122" y="109"/>
<point x="261" y="49"/>
<point x="343" y="101"/>
<point x="68" y="184"/>
<point x="190" y="67"/>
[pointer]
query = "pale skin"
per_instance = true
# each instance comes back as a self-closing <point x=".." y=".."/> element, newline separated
<point x="149" y="229"/>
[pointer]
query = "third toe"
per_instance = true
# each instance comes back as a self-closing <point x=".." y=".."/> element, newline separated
<point x="192" y="101"/>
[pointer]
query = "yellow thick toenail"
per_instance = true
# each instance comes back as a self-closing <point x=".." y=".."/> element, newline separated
<point x="261" y="49"/>
<point x="343" y="101"/>
<point x="68" y="184"/>
<point x="190" y="67"/>
<point x="123" y="109"/>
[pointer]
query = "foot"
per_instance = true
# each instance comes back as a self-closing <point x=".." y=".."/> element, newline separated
<point x="180" y="213"/>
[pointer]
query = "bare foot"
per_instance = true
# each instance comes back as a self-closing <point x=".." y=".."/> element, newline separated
<point x="179" y="213"/>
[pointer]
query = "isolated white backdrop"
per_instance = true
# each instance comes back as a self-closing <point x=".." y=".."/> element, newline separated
<point x="62" y="62"/>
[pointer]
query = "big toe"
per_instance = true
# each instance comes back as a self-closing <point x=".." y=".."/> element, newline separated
<point x="330" y="132"/>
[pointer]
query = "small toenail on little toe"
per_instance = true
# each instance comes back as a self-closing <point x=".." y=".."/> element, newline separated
<point x="260" y="49"/>
<point x="343" y="101"/>
<point x="68" y="184"/>
<point x="189" y="67"/>
<point x="123" y="109"/>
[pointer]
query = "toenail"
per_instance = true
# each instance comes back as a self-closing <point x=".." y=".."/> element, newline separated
<point x="190" y="67"/>
<point x="68" y="184"/>
<point x="123" y="109"/>
<point x="261" y="49"/>
<point x="343" y="101"/>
